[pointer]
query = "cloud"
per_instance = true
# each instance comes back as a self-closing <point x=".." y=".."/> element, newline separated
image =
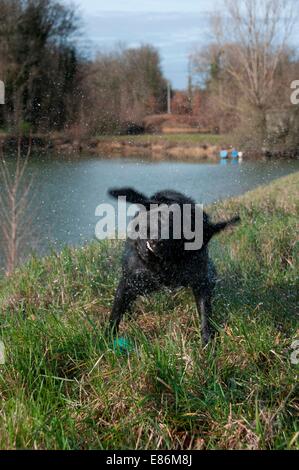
<point x="174" y="34"/>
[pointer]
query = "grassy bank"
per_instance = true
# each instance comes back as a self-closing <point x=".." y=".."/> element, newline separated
<point x="64" y="387"/>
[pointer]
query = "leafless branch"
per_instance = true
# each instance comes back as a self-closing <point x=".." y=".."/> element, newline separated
<point x="15" y="200"/>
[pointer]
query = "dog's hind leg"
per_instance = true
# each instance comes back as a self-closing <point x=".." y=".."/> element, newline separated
<point x="125" y="296"/>
<point x="203" y="298"/>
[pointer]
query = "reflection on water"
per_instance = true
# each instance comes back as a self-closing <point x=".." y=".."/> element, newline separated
<point x="233" y="161"/>
<point x="69" y="190"/>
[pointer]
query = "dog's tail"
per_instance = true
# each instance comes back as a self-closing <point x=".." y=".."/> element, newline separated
<point x="214" y="229"/>
<point x="132" y="196"/>
<point x="223" y="225"/>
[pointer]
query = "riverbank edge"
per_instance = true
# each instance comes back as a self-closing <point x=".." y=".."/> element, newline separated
<point x="171" y="147"/>
<point x="152" y="147"/>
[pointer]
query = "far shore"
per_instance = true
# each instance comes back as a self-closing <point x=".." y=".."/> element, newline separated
<point x="196" y="147"/>
<point x="172" y="146"/>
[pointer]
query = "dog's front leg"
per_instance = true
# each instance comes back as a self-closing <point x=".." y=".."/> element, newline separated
<point x="203" y="298"/>
<point x="124" y="298"/>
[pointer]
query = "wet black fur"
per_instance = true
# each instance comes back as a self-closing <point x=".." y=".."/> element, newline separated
<point x="149" y="265"/>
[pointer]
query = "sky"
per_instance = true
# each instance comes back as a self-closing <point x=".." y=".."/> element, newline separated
<point x="174" y="27"/>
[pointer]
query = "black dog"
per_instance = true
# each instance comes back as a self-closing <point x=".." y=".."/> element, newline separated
<point x="151" y="264"/>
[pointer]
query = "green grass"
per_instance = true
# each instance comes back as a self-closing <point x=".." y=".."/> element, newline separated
<point x="64" y="387"/>
<point x="211" y="139"/>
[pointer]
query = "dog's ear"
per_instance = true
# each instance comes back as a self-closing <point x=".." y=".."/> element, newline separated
<point x="214" y="229"/>
<point x="132" y="196"/>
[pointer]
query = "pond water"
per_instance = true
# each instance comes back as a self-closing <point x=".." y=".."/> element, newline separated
<point x="67" y="191"/>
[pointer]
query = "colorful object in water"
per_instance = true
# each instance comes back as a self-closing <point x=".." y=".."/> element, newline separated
<point x="122" y="346"/>
<point x="235" y="154"/>
<point x="223" y="154"/>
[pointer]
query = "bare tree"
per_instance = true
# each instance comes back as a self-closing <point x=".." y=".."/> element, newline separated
<point x="123" y="87"/>
<point x="259" y="31"/>
<point x="15" y="201"/>
<point x="245" y="68"/>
